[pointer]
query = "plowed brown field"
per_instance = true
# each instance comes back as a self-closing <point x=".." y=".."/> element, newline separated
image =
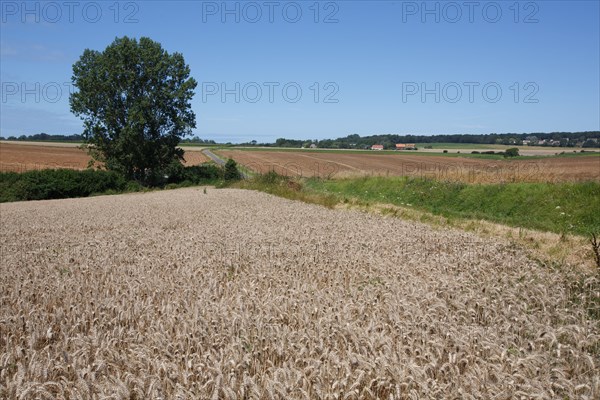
<point x="26" y="157"/>
<point x="22" y="157"/>
<point x="463" y="169"/>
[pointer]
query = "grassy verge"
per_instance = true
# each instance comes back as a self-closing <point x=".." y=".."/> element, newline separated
<point x="554" y="207"/>
<point x="562" y="208"/>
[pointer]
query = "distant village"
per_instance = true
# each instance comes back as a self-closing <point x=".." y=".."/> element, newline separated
<point x="399" y="146"/>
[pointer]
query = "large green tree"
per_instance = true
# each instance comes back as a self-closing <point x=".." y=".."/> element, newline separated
<point x="134" y="98"/>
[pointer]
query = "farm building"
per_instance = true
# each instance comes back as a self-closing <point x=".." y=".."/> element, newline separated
<point x="406" y="146"/>
<point x="377" y="147"/>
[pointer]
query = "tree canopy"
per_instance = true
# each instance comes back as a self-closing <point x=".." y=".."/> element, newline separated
<point x="134" y="98"/>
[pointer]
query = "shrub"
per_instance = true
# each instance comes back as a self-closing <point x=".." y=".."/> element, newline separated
<point x="512" y="152"/>
<point x="474" y="152"/>
<point x="231" y="172"/>
<point x="174" y="172"/>
<point x="177" y="174"/>
<point x="445" y="151"/>
<point x="203" y="173"/>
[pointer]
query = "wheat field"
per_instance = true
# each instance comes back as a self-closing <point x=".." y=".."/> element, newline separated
<point x="232" y="294"/>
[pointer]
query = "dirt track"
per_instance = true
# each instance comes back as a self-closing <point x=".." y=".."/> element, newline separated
<point x="245" y="295"/>
<point x="339" y="165"/>
<point x="20" y="157"/>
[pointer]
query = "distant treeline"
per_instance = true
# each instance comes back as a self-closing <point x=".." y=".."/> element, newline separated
<point x="197" y="140"/>
<point x="46" y="138"/>
<point x="553" y="139"/>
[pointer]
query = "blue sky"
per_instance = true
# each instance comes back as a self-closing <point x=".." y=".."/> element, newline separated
<point x="326" y="69"/>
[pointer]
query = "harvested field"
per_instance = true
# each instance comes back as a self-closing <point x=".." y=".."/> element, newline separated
<point x="245" y="295"/>
<point x="26" y="157"/>
<point x="23" y="157"/>
<point x="194" y="156"/>
<point x="469" y="170"/>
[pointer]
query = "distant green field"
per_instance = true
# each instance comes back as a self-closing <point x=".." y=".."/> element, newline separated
<point x="200" y="145"/>
<point x="499" y="147"/>
<point x="567" y="154"/>
<point x="452" y="146"/>
<point x="371" y="152"/>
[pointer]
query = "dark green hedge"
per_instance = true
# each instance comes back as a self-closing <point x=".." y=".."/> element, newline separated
<point x="57" y="184"/>
<point x="65" y="183"/>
